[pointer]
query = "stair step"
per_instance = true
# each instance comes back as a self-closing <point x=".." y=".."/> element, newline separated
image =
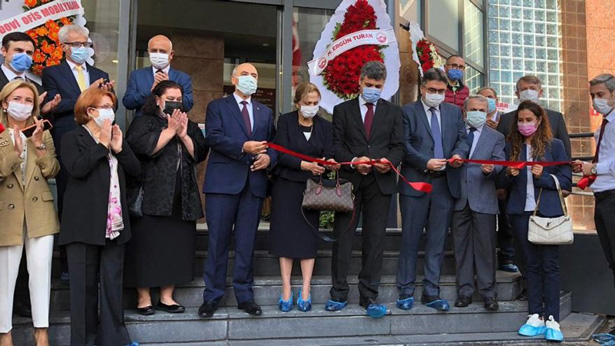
<point x="267" y="291"/>
<point x="421" y="324"/>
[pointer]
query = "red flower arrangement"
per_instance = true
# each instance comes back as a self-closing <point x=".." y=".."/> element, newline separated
<point x="47" y="49"/>
<point x="341" y="75"/>
<point x="428" y="55"/>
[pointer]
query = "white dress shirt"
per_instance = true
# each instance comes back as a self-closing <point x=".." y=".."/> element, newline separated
<point x="249" y="105"/>
<point x="605" y="180"/>
<point x="165" y="70"/>
<point x="84" y="68"/>
<point x="530" y="198"/>
<point x="428" y="113"/>
<point x="477" y="133"/>
<point x="10" y="75"/>
<point x="363" y="107"/>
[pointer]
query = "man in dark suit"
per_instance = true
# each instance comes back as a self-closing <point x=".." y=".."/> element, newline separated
<point x="238" y="129"/>
<point x="68" y="80"/>
<point x="434" y="132"/>
<point x="473" y="222"/>
<point x="365" y="128"/>
<point x="143" y="81"/>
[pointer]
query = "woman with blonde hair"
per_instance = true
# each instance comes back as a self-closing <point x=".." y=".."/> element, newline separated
<point x="27" y="213"/>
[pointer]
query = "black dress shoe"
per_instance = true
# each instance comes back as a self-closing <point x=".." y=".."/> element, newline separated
<point x="491" y="304"/>
<point x="463" y="302"/>
<point x="365" y="302"/>
<point x="146" y="311"/>
<point x="251" y="308"/>
<point x="208" y="309"/>
<point x="174" y="309"/>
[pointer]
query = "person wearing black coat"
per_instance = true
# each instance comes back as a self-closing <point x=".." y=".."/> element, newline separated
<point x="291" y="234"/>
<point x="95" y="225"/>
<point x="169" y="146"/>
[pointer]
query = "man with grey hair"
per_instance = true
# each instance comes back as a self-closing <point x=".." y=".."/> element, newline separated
<point x="474" y="212"/>
<point x="434" y="133"/>
<point x="601" y="171"/>
<point x="365" y="128"/>
<point x="68" y="80"/>
<point x="144" y="80"/>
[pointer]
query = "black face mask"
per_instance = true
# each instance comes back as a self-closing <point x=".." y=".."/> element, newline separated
<point x="170" y="106"/>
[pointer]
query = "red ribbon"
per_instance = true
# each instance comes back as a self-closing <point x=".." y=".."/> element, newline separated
<point x="512" y="164"/>
<point x="423" y="187"/>
<point x="2" y="128"/>
<point x="585" y="182"/>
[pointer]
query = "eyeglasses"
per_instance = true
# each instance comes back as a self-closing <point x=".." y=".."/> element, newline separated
<point x="79" y="44"/>
<point x="436" y="91"/>
<point x="456" y="67"/>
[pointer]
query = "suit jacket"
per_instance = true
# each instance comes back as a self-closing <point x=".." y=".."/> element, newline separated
<point x="482" y="199"/>
<point x="4" y="81"/>
<point x="556" y="119"/>
<point x="385" y="141"/>
<point x="34" y="203"/>
<point x="550" y="205"/>
<point x="59" y="79"/>
<point x="160" y="169"/>
<point x="140" y="86"/>
<point x="86" y="200"/>
<point x="228" y="169"/>
<point x="420" y="145"/>
<point x="290" y="136"/>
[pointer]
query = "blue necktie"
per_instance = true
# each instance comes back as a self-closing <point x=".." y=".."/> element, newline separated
<point x="438" y="152"/>
<point x="470" y="137"/>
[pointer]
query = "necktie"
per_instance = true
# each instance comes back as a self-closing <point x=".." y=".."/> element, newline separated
<point x="438" y="152"/>
<point x="369" y="119"/>
<point x="602" y="127"/>
<point x="81" y="78"/>
<point x="470" y="138"/>
<point x="246" y="117"/>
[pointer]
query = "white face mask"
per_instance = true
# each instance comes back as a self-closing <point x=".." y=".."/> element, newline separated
<point x="159" y="60"/>
<point x="602" y="106"/>
<point x="528" y="95"/>
<point x="104" y="114"/>
<point x="434" y="100"/>
<point x="309" y="111"/>
<point x="20" y="111"/>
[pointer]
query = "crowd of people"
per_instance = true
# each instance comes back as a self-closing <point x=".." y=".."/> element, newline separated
<point x="127" y="206"/>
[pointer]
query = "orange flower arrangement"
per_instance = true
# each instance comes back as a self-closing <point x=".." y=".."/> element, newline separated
<point x="48" y="51"/>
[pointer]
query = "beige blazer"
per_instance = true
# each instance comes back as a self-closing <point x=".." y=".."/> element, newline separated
<point x="32" y="204"/>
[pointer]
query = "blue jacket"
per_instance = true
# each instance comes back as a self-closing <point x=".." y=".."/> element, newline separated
<point x="420" y="145"/>
<point x="550" y="205"/>
<point x="477" y="189"/>
<point x="140" y="88"/>
<point x="228" y="170"/>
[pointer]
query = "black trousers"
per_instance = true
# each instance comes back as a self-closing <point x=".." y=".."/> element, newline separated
<point x="86" y="262"/>
<point x="604" y="217"/>
<point x="375" y="209"/>
<point x="505" y="235"/>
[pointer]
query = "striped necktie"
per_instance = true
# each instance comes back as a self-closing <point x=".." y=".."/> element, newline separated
<point x="81" y="78"/>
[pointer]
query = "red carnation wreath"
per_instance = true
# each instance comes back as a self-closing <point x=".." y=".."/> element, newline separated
<point x="341" y="75"/>
<point x="428" y="55"/>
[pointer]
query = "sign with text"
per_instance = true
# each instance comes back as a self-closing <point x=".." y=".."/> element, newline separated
<point x="38" y="16"/>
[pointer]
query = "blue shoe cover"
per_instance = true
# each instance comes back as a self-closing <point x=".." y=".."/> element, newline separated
<point x="527" y="330"/>
<point x="332" y="305"/>
<point x="554" y="335"/>
<point x="376" y="310"/>
<point x="440" y="305"/>
<point x="405" y="304"/>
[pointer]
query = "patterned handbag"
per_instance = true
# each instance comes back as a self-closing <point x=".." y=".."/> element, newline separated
<point x="551" y="230"/>
<point x="328" y="194"/>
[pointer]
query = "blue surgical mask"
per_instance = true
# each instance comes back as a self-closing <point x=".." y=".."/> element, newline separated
<point x="454" y="74"/>
<point x="79" y="55"/>
<point x="476" y="119"/>
<point x="247" y="85"/>
<point x="371" y="94"/>
<point x="21" y="62"/>
<point x="492" y="105"/>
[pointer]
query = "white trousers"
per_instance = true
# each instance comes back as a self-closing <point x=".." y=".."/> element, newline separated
<point x="39" y="253"/>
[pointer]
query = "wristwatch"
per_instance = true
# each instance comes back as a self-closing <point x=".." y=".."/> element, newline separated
<point x="41" y="147"/>
<point x="593" y="170"/>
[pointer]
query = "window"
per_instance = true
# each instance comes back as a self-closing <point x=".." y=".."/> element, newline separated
<point x="443" y="22"/>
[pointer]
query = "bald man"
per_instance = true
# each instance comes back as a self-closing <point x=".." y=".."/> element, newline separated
<point x="238" y="129"/>
<point x="143" y="81"/>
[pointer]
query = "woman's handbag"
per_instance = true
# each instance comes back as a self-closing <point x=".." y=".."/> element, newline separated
<point x="328" y="194"/>
<point x="551" y="230"/>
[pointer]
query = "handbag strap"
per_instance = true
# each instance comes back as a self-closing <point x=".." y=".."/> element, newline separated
<point x="559" y="192"/>
<point x="326" y="237"/>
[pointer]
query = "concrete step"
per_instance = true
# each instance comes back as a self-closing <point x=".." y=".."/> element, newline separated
<point x="267" y="291"/>
<point x="232" y="326"/>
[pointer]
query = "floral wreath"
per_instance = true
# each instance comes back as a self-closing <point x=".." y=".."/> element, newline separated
<point x="341" y="76"/>
<point x="47" y="43"/>
<point x="428" y="55"/>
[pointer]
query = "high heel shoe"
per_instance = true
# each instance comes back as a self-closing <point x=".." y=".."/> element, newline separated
<point x="304" y="305"/>
<point x="286" y="305"/>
